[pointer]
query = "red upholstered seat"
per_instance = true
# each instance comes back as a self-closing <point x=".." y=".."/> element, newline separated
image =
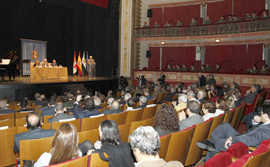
<point x="261" y="149"/>
<point x="221" y="160"/>
<point x="144" y="68"/>
<point x="238" y="150"/>
<point x="237" y="163"/>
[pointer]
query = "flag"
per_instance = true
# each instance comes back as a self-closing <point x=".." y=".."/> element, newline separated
<point x="86" y="61"/>
<point x="84" y="64"/>
<point x="74" y="63"/>
<point x="79" y="64"/>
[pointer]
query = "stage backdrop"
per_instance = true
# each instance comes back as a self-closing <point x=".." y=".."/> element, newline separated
<point x="32" y="50"/>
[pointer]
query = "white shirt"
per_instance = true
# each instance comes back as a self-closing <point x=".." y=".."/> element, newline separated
<point x="208" y="116"/>
<point x="218" y="112"/>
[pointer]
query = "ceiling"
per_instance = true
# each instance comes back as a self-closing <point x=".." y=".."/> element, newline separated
<point x="163" y="1"/>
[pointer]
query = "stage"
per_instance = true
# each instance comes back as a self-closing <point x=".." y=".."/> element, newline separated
<point x="17" y="89"/>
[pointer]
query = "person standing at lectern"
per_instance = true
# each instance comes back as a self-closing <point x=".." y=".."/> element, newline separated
<point x="91" y="67"/>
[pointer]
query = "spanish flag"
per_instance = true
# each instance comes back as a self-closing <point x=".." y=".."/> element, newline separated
<point x="74" y="63"/>
<point x="79" y="64"/>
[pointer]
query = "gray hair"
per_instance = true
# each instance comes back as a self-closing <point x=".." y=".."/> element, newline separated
<point x="115" y="105"/>
<point x="127" y="89"/>
<point x="127" y="96"/>
<point x="110" y="100"/>
<point x="2" y="104"/>
<point x="157" y="87"/>
<point x="202" y="95"/>
<point x="37" y="95"/>
<point x="193" y="106"/>
<point x="182" y="97"/>
<point x="191" y="94"/>
<point x="97" y="101"/>
<point x="143" y="99"/>
<point x="146" y="140"/>
<point x="173" y="89"/>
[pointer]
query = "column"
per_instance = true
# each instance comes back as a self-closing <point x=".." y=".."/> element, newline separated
<point x="267" y="5"/>
<point x="160" y="58"/>
<point x="203" y="8"/>
<point x="266" y="54"/>
<point x="202" y="52"/>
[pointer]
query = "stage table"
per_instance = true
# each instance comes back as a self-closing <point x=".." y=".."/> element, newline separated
<point x="48" y="73"/>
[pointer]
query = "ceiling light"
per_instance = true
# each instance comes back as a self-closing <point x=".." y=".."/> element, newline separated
<point x="217" y="40"/>
<point x="162" y="42"/>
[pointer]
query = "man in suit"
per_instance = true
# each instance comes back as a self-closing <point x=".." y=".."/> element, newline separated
<point x="60" y="115"/>
<point x="178" y="24"/>
<point x="192" y="68"/>
<point x="230" y="19"/>
<point x="184" y="67"/>
<point x="161" y="78"/>
<point x="54" y="64"/>
<point x="126" y="97"/>
<point x="226" y="86"/>
<point x="225" y="135"/>
<point x="50" y="110"/>
<point x="247" y="16"/>
<point x="193" y="22"/>
<point x="211" y="80"/>
<point x="264" y="70"/>
<point x="142" y="101"/>
<point x="193" y="109"/>
<point x="4" y="109"/>
<point x="264" y="15"/>
<point x="156" y="24"/>
<point x="217" y="67"/>
<point x="170" y="96"/>
<point x="89" y="108"/>
<point x="24" y="107"/>
<point x="234" y="87"/>
<point x="146" y="93"/>
<point x="207" y="20"/>
<point x="115" y="109"/>
<point x="202" y="80"/>
<point x="45" y="63"/>
<point x="37" y="101"/>
<point x="251" y="94"/>
<point x="145" y="25"/>
<point x="237" y="96"/>
<point x="130" y="104"/>
<point x="33" y="122"/>
<point x="221" y="20"/>
<point x="97" y="101"/>
<point x="201" y="96"/>
<point x="137" y="90"/>
<point x="253" y="16"/>
<point x="156" y="91"/>
<point x="44" y="104"/>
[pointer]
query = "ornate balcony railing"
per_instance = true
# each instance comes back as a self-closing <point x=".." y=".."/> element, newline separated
<point x="213" y="29"/>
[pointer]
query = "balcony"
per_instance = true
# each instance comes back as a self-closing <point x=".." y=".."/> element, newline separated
<point x="203" y="30"/>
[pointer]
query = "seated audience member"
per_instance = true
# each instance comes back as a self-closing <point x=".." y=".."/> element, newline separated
<point x="221" y="105"/>
<point x="207" y="20"/>
<point x="66" y="101"/>
<point x="141" y="80"/>
<point x="170" y="96"/>
<point x="130" y="104"/>
<point x="127" y="89"/>
<point x="234" y="87"/>
<point x="217" y="93"/>
<point x="254" y="70"/>
<point x="208" y="68"/>
<point x="50" y="110"/>
<point x="202" y="80"/>
<point x="178" y="68"/>
<point x="169" y="67"/>
<point x="251" y="94"/>
<point x="226" y="86"/>
<point x="37" y="102"/>
<point x="182" y="102"/>
<point x="64" y="147"/>
<point x="110" y="100"/>
<point x="119" y="153"/>
<point x="45" y="63"/>
<point x="89" y="108"/>
<point x="138" y="90"/>
<point x="97" y="102"/>
<point x="264" y="70"/>
<point x="193" y="22"/>
<point x="211" y="80"/>
<point x="230" y="19"/>
<point x="202" y="68"/>
<point x="209" y="109"/>
<point x="235" y="18"/>
<point x="156" y="24"/>
<point x="236" y="96"/>
<point x="156" y="91"/>
<point x="44" y="104"/>
<point x="225" y="135"/>
<point x="192" y="96"/>
<point x="184" y="67"/>
<point x="33" y="122"/>
<point x="230" y="102"/>
<point x="253" y="16"/>
<point x="167" y="24"/>
<point x="192" y="68"/>
<point x="24" y="107"/>
<point x="60" y="115"/>
<point x="54" y="64"/>
<point x="145" y="25"/>
<point x="115" y="108"/>
<point x="142" y="102"/>
<point x="264" y="15"/>
<point x="122" y="95"/>
<point x="123" y="82"/>
<point x="217" y="67"/>
<point x="126" y="97"/>
<point x="166" y="120"/>
<point x="193" y="110"/>
<point x="36" y="64"/>
<point x="109" y="94"/>
<point x="178" y="24"/>
<point x="201" y="96"/>
<point x="145" y="144"/>
<point x="4" y="109"/>
<point x="247" y="17"/>
<point x="146" y="93"/>
<point x="221" y="20"/>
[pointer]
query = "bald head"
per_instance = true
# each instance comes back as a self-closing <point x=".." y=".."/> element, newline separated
<point x="115" y="104"/>
<point x="33" y="120"/>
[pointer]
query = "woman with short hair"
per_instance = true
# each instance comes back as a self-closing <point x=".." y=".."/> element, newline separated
<point x="209" y="109"/>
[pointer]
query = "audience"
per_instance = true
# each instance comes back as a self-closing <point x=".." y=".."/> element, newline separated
<point x="97" y="102"/>
<point x="147" y="94"/>
<point x="193" y="22"/>
<point x="130" y="104"/>
<point x="142" y="102"/>
<point x="37" y="102"/>
<point x="170" y="95"/>
<point x="182" y="102"/>
<point x="230" y="102"/>
<point x="251" y="94"/>
<point x="178" y="24"/>
<point x="60" y="115"/>
<point x="24" y="107"/>
<point x="89" y="108"/>
<point x="207" y="20"/>
<point x="4" y="109"/>
<point x="126" y="97"/>
<point x="236" y="96"/>
<point x="115" y="108"/>
<point x="211" y="80"/>
<point x="156" y="91"/>
<point x="221" y="105"/>
<point x="209" y="109"/>
<point x="50" y="110"/>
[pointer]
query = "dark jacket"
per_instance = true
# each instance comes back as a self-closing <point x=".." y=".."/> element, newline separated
<point x="170" y="96"/>
<point x="237" y="103"/>
<point x="111" y="111"/>
<point x="202" y="81"/>
<point x="141" y="106"/>
<point x="83" y="114"/>
<point x="37" y="102"/>
<point x="162" y="79"/>
<point x="60" y="116"/>
<point x="212" y="81"/>
<point x="249" y="98"/>
<point x="26" y="110"/>
<point x="48" y="111"/>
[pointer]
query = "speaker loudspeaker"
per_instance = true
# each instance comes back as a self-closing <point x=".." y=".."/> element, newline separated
<point x="149" y="13"/>
<point x="148" y="54"/>
<point x="112" y="9"/>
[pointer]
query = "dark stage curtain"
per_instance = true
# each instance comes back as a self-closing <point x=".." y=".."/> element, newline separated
<point x="182" y="13"/>
<point x="156" y="16"/>
<point x="101" y="3"/>
<point x="154" y="61"/>
<point x="217" y="9"/>
<point x="241" y="7"/>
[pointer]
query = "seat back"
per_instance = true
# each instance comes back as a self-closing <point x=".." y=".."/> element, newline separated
<point x="251" y="107"/>
<point x="179" y="145"/>
<point x="33" y="149"/>
<point x="36" y="108"/>
<point x="165" y="95"/>
<point x="259" y="159"/>
<point x="135" y="125"/>
<point x="240" y="116"/>
<point x="22" y="114"/>
<point x="221" y="160"/>
<point x="135" y="115"/>
<point x="8" y="122"/>
<point x="7" y="156"/>
<point x="236" y="115"/>
<point x="119" y="118"/>
<point x="6" y="116"/>
<point x="160" y="97"/>
<point x="91" y="135"/>
<point x="21" y="129"/>
<point x="229" y="116"/>
<point x="152" y="101"/>
<point x="124" y="132"/>
<point x="158" y="107"/>
<point x="200" y="134"/>
<point x="20" y="122"/>
<point x="164" y="144"/>
<point x="238" y="150"/>
<point x="81" y="161"/>
<point x="121" y="107"/>
<point x="91" y="123"/>
<point x="216" y="121"/>
<point x="95" y="161"/>
<point x="149" y="112"/>
<point x="76" y="123"/>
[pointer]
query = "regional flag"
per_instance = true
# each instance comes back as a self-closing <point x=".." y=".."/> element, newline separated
<point x="79" y="64"/>
<point x="86" y="61"/>
<point x="74" y="63"/>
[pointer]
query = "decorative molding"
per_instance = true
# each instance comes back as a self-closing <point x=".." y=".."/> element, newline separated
<point x="180" y="3"/>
